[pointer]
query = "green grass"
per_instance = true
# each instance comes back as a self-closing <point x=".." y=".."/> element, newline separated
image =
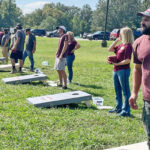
<point x="74" y="127"/>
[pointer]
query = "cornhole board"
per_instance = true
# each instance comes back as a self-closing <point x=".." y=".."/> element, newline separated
<point x="60" y="99"/>
<point x="137" y="146"/>
<point x="7" y="67"/>
<point x="2" y="59"/>
<point x="25" y="79"/>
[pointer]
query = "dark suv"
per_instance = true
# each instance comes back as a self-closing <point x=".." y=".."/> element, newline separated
<point x="99" y="35"/>
<point x="137" y="33"/>
<point x="39" y="32"/>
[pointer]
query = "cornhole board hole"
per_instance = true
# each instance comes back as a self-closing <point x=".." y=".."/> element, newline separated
<point x="7" y="67"/>
<point x="2" y="59"/>
<point x="25" y="79"/>
<point x="60" y="99"/>
<point x="137" y="146"/>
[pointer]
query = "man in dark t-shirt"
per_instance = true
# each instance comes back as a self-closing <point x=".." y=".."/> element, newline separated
<point x="141" y="71"/>
<point x="18" y="48"/>
<point x="61" y="54"/>
<point x="30" y="48"/>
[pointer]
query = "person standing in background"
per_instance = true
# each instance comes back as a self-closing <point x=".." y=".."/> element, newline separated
<point x="5" y="44"/>
<point x="72" y="46"/>
<point x="60" y="60"/>
<point x="30" y="48"/>
<point x="121" y="71"/>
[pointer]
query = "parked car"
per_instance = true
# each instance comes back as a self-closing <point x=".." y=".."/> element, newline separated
<point x="1" y="35"/>
<point x="114" y="34"/>
<point x="85" y="35"/>
<point x="52" y="34"/>
<point x="137" y="33"/>
<point x="39" y="32"/>
<point x="99" y="35"/>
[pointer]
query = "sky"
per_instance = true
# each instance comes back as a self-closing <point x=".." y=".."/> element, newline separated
<point x="28" y="6"/>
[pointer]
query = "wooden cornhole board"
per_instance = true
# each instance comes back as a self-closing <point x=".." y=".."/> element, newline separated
<point x="24" y="79"/>
<point x="2" y="59"/>
<point x="7" y="67"/>
<point x="137" y="146"/>
<point x="60" y="99"/>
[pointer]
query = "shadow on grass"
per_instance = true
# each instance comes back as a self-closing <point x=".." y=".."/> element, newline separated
<point x="88" y="86"/>
<point x="5" y="71"/>
<point x="74" y="106"/>
<point x="131" y="117"/>
<point x="35" y="83"/>
<point x="95" y="94"/>
<point x="135" y="117"/>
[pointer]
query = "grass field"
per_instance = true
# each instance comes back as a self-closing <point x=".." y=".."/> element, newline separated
<point x="72" y="127"/>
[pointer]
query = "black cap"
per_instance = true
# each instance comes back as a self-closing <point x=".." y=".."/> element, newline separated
<point x="19" y="26"/>
<point x="6" y="29"/>
<point x="27" y="29"/>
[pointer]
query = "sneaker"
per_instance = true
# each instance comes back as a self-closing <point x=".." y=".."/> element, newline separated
<point x="31" y="70"/>
<point x="13" y="71"/>
<point x="20" y="71"/>
<point x="64" y="87"/>
<point x="124" y="114"/>
<point x="68" y="81"/>
<point x="115" y="111"/>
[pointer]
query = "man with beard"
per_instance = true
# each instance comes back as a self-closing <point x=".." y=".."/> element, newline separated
<point x="141" y="72"/>
<point x="18" y="48"/>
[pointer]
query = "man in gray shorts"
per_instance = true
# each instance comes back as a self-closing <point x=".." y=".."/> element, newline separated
<point x="60" y="61"/>
<point x="141" y="72"/>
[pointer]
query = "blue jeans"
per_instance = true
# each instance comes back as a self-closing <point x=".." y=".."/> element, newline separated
<point x="121" y="84"/>
<point x="70" y="60"/>
<point x="30" y="54"/>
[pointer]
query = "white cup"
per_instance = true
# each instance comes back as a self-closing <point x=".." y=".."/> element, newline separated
<point x="98" y="101"/>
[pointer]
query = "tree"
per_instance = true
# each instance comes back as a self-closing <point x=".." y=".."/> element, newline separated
<point x="76" y="25"/>
<point x="121" y="13"/>
<point x="49" y="24"/>
<point x="145" y="5"/>
<point x="86" y="17"/>
<point x="10" y="14"/>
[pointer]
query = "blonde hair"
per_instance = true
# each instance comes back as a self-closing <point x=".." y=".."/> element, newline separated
<point x="71" y="34"/>
<point x="126" y="35"/>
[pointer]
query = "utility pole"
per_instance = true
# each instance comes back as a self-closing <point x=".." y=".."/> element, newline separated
<point x="104" y="42"/>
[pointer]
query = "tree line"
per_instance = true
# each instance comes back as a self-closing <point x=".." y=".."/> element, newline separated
<point x="79" y="20"/>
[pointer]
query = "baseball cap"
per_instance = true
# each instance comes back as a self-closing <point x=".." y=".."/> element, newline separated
<point x="27" y="29"/>
<point x="145" y="13"/>
<point x="6" y="29"/>
<point x="61" y="27"/>
<point x="19" y="25"/>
